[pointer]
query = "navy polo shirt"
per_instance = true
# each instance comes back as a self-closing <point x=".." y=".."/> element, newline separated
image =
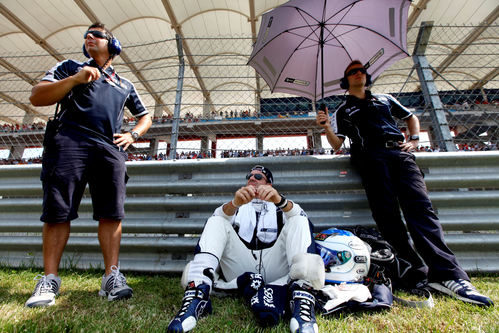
<point x="370" y="120"/>
<point x="96" y="109"/>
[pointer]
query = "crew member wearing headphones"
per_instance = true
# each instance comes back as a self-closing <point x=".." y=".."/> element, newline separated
<point x="87" y="148"/>
<point x="393" y="181"/>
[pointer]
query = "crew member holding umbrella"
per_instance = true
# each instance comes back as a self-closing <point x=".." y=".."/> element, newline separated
<point x="392" y="179"/>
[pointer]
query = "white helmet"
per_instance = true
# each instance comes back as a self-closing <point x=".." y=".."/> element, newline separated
<point x="346" y="257"/>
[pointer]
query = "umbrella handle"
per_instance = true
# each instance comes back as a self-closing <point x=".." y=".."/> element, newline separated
<point x="322" y="107"/>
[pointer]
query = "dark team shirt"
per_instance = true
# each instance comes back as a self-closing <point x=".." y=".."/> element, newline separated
<point x="96" y="109"/>
<point x="369" y="121"/>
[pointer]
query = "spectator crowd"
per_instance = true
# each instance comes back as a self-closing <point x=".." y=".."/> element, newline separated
<point x="13" y="128"/>
<point x="196" y="154"/>
<point x="227" y="114"/>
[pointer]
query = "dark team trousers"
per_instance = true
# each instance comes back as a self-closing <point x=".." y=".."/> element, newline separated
<point x="393" y="181"/>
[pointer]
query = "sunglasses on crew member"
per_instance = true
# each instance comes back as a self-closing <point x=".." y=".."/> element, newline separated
<point x="258" y="176"/>
<point x="354" y="71"/>
<point x="96" y="34"/>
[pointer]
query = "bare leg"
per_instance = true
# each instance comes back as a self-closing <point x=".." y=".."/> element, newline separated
<point x="110" y="239"/>
<point x="55" y="237"/>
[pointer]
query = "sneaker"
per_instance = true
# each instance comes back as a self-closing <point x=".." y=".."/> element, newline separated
<point x="114" y="286"/>
<point x="47" y="288"/>
<point x="303" y="312"/>
<point x="463" y="290"/>
<point x="195" y="304"/>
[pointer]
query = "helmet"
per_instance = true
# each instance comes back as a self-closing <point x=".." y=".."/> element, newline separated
<point x="346" y="257"/>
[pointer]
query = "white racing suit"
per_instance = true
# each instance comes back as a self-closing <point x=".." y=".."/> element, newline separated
<point x="253" y="240"/>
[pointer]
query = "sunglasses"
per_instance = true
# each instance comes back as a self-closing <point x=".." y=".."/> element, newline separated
<point x="96" y="34"/>
<point x="354" y="71"/>
<point x="258" y="176"/>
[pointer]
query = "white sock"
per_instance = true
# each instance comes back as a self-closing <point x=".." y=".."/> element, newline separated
<point x="202" y="268"/>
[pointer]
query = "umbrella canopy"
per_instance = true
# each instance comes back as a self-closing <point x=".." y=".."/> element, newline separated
<point x="303" y="46"/>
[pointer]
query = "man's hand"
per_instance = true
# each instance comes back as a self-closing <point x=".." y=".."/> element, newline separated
<point x="247" y="193"/>
<point x="87" y="74"/>
<point x="322" y="119"/>
<point x="123" y="140"/>
<point x="268" y="193"/>
<point x="244" y="195"/>
<point x="126" y="139"/>
<point x="408" y="146"/>
<point x="47" y="93"/>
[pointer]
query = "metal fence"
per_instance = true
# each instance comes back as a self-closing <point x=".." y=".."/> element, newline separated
<point x="226" y="110"/>
<point x="169" y="201"/>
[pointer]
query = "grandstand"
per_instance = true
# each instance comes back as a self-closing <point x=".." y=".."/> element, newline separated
<point x="223" y="98"/>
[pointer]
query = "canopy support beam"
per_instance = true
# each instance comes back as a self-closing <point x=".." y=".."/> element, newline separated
<point x="441" y="129"/>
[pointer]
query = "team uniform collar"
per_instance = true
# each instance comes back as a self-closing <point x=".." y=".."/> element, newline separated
<point x="109" y="75"/>
<point x="93" y="63"/>
<point x="354" y="99"/>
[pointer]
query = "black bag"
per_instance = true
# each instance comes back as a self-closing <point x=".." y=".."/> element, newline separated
<point x="52" y="128"/>
<point x="388" y="272"/>
<point x="384" y="260"/>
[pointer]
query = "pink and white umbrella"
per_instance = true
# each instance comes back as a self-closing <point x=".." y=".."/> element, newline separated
<point x="303" y="46"/>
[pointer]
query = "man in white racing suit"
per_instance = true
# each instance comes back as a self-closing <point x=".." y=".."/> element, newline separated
<point x="262" y="244"/>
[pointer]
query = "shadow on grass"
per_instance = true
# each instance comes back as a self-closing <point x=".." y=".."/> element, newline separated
<point x="6" y="296"/>
<point x="85" y="311"/>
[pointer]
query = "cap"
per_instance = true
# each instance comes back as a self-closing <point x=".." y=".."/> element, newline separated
<point x="265" y="171"/>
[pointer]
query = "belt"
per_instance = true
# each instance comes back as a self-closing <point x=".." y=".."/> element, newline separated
<point x="391" y="144"/>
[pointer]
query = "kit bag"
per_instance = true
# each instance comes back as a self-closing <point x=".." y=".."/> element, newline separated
<point x="52" y="128"/>
<point x="388" y="269"/>
<point x="383" y="256"/>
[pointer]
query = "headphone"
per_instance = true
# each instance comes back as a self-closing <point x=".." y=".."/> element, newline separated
<point x="113" y="46"/>
<point x="344" y="81"/>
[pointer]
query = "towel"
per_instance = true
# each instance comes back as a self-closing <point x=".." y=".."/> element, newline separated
<point x="342" y="293"/>
<point x="246" y="219"/>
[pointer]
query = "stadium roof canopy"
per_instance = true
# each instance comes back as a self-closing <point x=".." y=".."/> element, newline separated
<point x="48" y="26"/>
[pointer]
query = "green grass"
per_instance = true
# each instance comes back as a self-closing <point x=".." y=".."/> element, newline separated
<point x="157" y="298"/>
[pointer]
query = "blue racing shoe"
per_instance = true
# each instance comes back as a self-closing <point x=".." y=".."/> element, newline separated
<point x="195" y="304"/>
<point x="302" y="311"/>
<point x="462" y="290"/>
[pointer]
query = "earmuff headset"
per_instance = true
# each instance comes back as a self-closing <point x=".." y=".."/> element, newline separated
<point x="344" y="81"/>
<point x="113" y="46"/>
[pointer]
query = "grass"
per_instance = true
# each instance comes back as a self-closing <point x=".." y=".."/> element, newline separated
<point x="157" y="299"/>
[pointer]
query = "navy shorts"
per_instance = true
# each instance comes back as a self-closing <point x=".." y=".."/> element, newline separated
<point x="72" y="163"/>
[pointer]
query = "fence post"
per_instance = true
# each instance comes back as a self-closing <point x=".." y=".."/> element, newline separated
<point x="178" y="99"/>
<point x="430" y="92"/>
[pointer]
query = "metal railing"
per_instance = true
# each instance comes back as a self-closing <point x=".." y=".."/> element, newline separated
<point x="168" y="203"/>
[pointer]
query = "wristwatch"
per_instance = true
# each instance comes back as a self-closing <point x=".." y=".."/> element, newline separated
<point x="135" y="135"/>
<point x="283" y="203"/>
<point x="414" y="138"/>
